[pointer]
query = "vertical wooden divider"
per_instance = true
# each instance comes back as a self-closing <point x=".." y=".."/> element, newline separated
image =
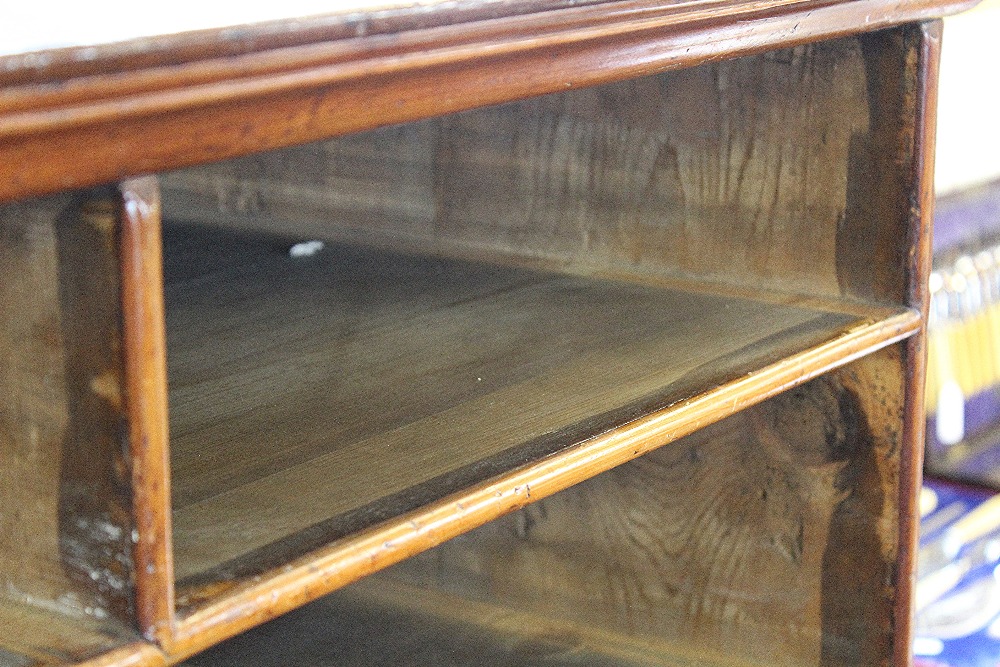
<point x="146" y="382"/>
<point x="915" y="349"/>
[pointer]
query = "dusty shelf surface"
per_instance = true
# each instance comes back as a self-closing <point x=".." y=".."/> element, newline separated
<point x="317" y="396"/>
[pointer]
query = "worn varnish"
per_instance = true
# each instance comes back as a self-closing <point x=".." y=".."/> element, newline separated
<point x="766" y="539"/>
<point x="770" y="536"/>
<point x="48" y="635"/>
<point x="914" y="356"/>
<point x="672" y="198"/>
<point x="65" y="500"/>
<point x="388" y="624"/>
<point x="146" y="405"/>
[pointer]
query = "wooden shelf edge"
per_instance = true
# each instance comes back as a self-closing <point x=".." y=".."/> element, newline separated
<point x="139" y="654"/>
<point x="911" y="460"/>
<point x="160" y="117"/>
<point x="264" y="597"/>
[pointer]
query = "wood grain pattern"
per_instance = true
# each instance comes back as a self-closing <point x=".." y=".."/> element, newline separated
<point x="35" y="635"/>
<point x="416" y="368"/>
<point x="229" y="608"/>
<point x="548" y="309"/>
<point x="34" y="410"/>
<point x="329" y="568"/>
<point x="170" y="114"/>
<point x="212" y="612"/>
<point x="766" y="539"/>
<point x="702" y="173"/>
<point x="770" y="537"/>
<point x="65" y="501"/>
<point x="379" y="624"/>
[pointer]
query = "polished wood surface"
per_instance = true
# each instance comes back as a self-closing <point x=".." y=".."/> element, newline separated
<point x="189" y="101"/>
<point x="754" y="557"/>
<point x="144" y="332"/>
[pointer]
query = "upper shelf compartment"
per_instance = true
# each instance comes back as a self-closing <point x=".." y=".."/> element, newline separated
<point x="515" y="298"/>
<point x="331" y="392"/>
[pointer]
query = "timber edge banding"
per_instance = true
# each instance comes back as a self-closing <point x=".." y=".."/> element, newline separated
<point x="94" y="128"/>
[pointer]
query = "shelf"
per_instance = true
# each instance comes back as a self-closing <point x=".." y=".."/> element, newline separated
<point x="747" y="542"/>
<point x="614" y="355"/>
<point x="311" y="398"/>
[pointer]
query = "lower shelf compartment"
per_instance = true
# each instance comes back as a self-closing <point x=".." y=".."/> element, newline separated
<point x="314" y="397"/>
<point x="770" y="537"/>
<point x="383" y="624"/>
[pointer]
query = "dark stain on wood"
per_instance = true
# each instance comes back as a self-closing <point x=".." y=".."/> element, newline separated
<point x="65" y="519"/>
<point x="94" y="509"/>
<point x="876" y="235"/>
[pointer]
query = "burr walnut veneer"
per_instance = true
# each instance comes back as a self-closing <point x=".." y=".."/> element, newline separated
<point x="613" y="352"/>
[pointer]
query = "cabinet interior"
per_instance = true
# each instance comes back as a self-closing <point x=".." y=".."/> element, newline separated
<point x="361" y="384"/>
<point x="499" y="284"/>
<point x="763" y="539"/>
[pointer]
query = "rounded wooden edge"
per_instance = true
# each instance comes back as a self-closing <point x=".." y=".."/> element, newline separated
<point x="337" y="565"/>
<point x="459" y="22"/>
<point x="146" y="382"/>
<point x="104" y="127"/>
<point x="138" y="654"/>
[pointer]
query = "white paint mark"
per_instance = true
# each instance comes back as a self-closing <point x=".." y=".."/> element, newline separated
<point x="305" y="249"/>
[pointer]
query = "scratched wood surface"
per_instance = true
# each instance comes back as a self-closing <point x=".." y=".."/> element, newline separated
<point x="766" y="539"/>
<point x="65" y="527"/>
<point x="360" y="383"/>
<point x="704" y="173"/>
